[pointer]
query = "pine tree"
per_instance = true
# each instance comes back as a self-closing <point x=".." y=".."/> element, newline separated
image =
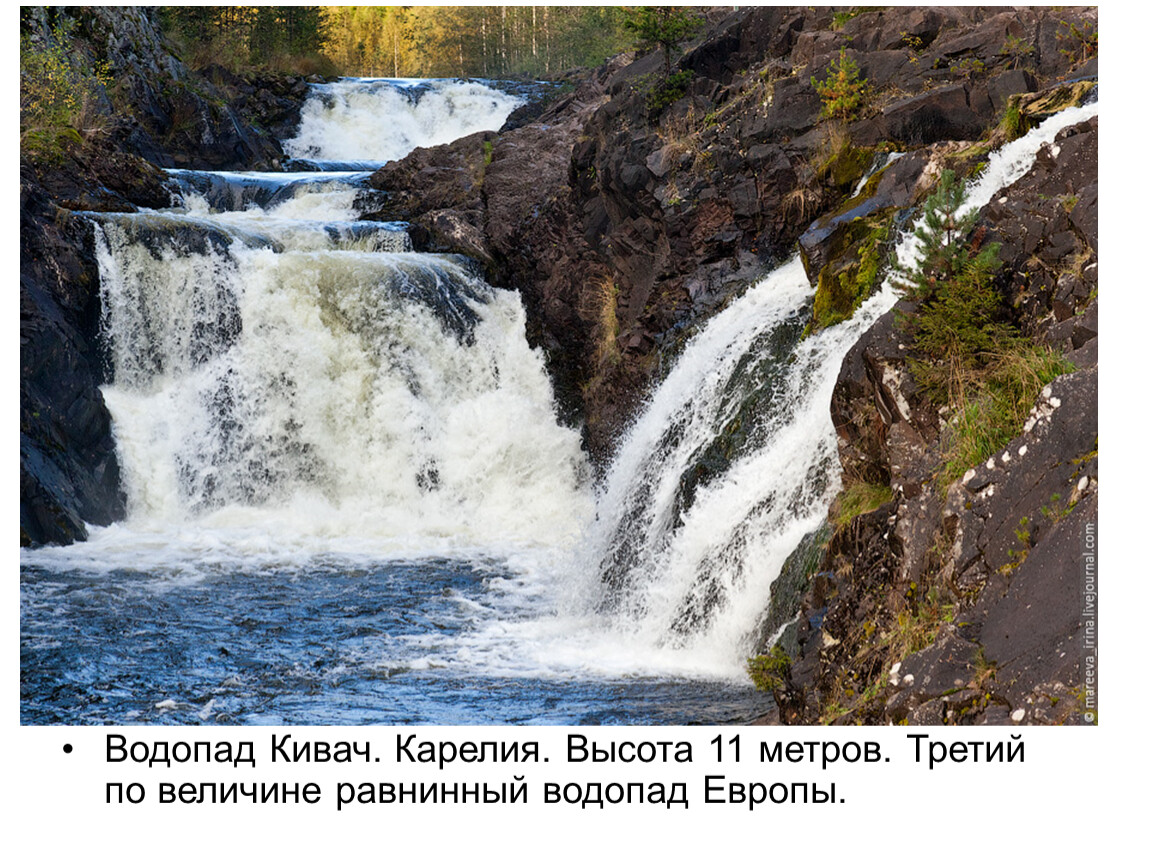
<point x="842" y="91"/>
<point x="663" y="27"/>
<point x="959" y="325"/>
<point x="944" y="254"/>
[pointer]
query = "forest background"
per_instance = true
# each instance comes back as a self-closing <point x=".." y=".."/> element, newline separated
<point x="400" y="41"/>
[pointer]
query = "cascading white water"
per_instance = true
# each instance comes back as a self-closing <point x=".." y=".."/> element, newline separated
<point x="290" y="381"/>
<point x="375" y="120"/>
<point x="698" y="577"/>
<point x="316" y="382"/>
<point x="296" y="392"/>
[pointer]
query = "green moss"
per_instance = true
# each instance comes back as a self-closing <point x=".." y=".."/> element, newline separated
<point x="844" y="166"/>
<point x="1014" y="124"/>
<point x="973" y="153"/>
<point x="1058" y="99"/>
<point x="858" y="498"/>
<point x="841" y="18"/>
<point x="853" y="270"/>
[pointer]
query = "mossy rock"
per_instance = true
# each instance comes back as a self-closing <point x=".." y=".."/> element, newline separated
<point x="1037" y="107"/>
<point x="847" y="167"/>
<point x="852" y="270"/>
<point x="969" y="161"/>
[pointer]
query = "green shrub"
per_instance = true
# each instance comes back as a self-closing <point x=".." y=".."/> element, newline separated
<point x="1017" y="49"/>
<point x="58" y="95"/>
<point x="959" y="324"/>
<point x="842" y="91"/>
<point x="967" y="68"/>
<point x="969" y="355"/>
<point x="669" y="91"/>
<point x="770" y="671"/>
<point x="1080" y="41"/>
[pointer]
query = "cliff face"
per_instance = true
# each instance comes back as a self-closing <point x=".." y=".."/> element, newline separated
<point x="157" y="108"/>
<point x="963" y="602"/>
<point x="624" y="223"/>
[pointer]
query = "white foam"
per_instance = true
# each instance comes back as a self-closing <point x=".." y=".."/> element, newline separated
<point x="378" y="120"/>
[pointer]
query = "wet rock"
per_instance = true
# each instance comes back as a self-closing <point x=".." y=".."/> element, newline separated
<point x="449" y="177"/>
<point x="69" y="473"/>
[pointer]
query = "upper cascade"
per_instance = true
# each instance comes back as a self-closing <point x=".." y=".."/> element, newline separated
<point x="361" y="123"/>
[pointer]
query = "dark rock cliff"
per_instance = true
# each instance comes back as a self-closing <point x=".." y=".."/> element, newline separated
<point x="624" y="224"/>
<point x="988" y="570"/>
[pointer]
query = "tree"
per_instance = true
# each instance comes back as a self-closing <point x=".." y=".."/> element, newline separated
<point x="842" y="91"/>
<point x="944" y="253"/>
<point x="662" y="27"/>
<point x="959" y="324"/>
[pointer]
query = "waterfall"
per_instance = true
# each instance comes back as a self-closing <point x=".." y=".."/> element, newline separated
<point x="315" y="375"/>
<point x="311" y="416"/>
<point x="734" y="458"/>
<point x="342" y="122"/>
<point x="287" y="380"/>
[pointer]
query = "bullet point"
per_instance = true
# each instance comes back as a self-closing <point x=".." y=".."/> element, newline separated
<point x="67" y="748"/>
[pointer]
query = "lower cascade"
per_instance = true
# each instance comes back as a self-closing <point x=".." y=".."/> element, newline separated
<point x="350" y="500"/>
<point x="326" y="380"/>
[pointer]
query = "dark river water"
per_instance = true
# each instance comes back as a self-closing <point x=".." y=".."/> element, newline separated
<point x="378" y="645"/>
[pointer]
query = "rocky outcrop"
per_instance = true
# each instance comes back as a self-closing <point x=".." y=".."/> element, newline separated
<point x="68" y="469"/>
<point x="624" y="223"/>
<point x="160" y="110"/>
<point x="964" y="603"/>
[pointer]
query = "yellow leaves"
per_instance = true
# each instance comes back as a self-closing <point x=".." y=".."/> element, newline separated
<point x="57" y="86"/>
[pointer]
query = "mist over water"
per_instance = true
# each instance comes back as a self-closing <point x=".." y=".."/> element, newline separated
<point x="349" y="497"/>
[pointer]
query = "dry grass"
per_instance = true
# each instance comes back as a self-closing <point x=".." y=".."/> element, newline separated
<point x="801" y="204"/>
<point x="600" y="306"/>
